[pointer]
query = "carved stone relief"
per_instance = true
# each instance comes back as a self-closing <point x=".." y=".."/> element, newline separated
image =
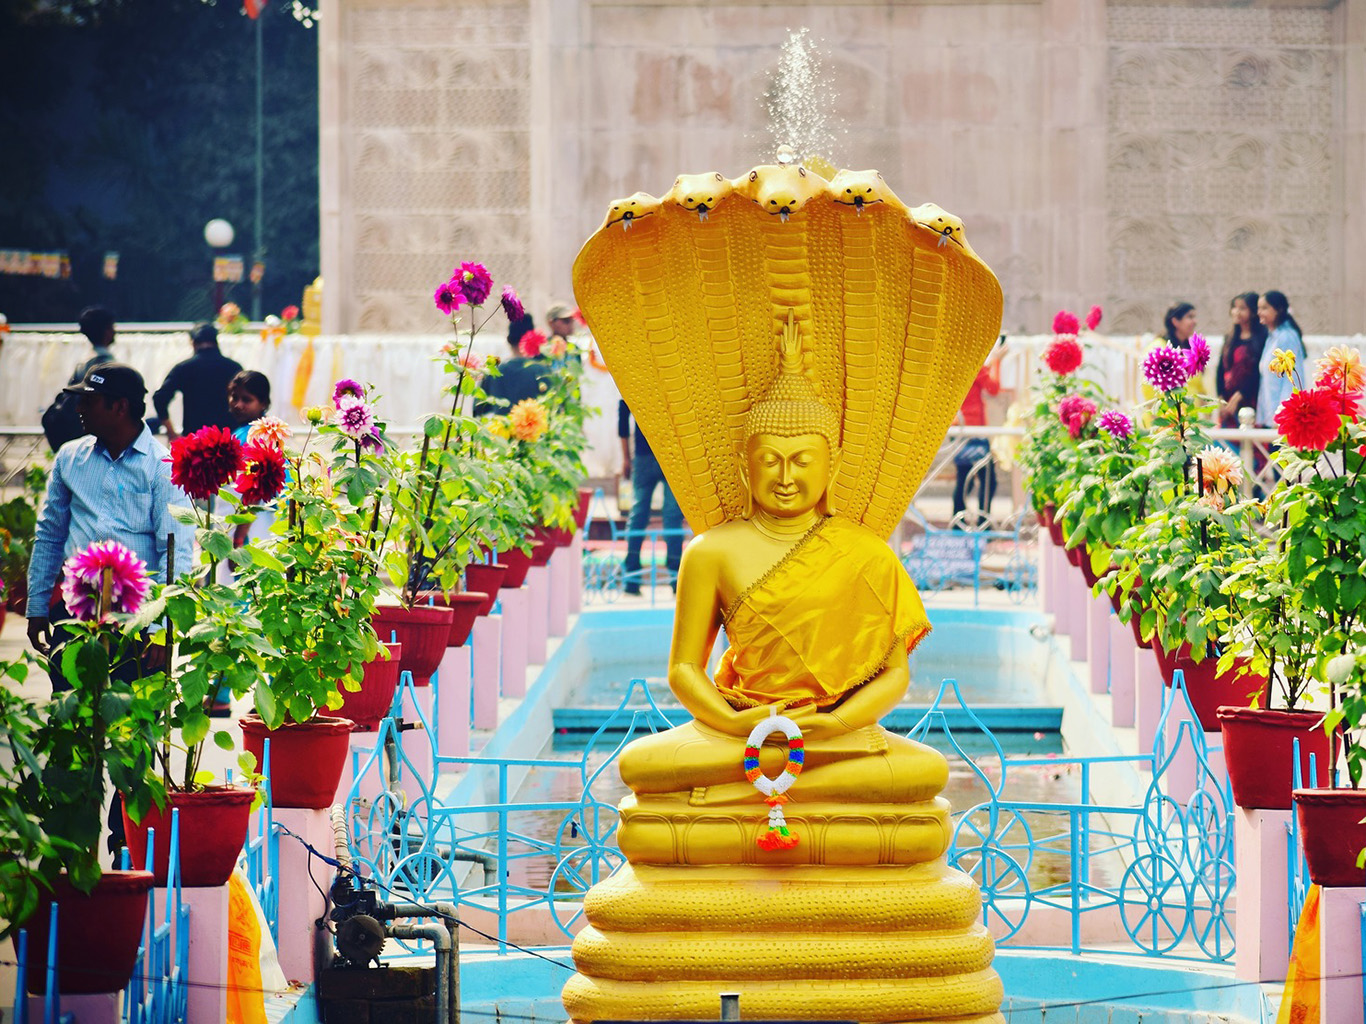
<point x="1221" y="156"/>
<point x="439" y="125"/>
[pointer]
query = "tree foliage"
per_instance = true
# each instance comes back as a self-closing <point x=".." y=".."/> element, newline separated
<point x="128" y="127"/>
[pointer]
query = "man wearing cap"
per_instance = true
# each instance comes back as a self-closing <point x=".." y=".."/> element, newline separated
<point x="202" y="381"/>
<point x="113" y="484"/>
<point x="561" y="319"/>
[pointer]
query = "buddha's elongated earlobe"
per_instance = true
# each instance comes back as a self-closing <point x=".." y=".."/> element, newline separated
<point x="745" y="492"/>
<point x="826" y="505"/>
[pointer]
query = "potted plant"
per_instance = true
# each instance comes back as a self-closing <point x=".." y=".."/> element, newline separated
<point x="105" y="725"/>
<point x="1299" y="603"/>
<point x="217" y="644"/>
<point x="1053" y="429"/>
<point x="1188" y="534"/>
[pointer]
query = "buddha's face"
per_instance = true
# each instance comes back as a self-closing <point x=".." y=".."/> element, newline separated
<point x="787" y="476"/>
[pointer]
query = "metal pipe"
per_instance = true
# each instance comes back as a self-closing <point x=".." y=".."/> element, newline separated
<point x="450" y="917"/>
<point x="341" y="842"/>
<point x="439" y="937"/>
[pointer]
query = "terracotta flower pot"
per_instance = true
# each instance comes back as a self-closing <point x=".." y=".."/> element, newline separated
<point x="1207" y="687"/>
<point x="1047" y="514"/>
<point x="213" y="830"/>
<point x="1138" y="632"/>
<point x="369" y="705"/>
<point x="485" y="578"/>
<point x="464" y="608"/>
<point x="1055" y="532"/>
<point x="1332" y="834"/>
<point x="581" y="513"/>
<point x="98" y="935"/>
<point x="422" y="630"/>
<point x="1074" y="556"/>
<point x="306" y="761"/>
<point x="1085" y="566"/>
<point x="1259" y="745"/>
<point x="542" y="545"/>
<point x="518" y="563"/>
<point x="561" y="537"/>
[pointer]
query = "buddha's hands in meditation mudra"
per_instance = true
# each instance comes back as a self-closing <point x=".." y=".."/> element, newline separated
<point x="820" y="615"/>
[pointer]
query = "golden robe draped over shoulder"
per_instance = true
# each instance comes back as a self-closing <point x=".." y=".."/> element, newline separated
<point x="822" y="622"/>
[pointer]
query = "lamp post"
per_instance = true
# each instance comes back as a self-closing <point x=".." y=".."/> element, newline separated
<point x="219" y="234"/>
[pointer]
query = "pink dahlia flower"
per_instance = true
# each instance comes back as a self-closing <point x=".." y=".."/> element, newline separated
<point x="1165" y="368"/>
<point x="1116" y="424"/>
<point x="1076" y="411"/>
<point x="355" y="418"/>
<point x="512" y="305"/>
<point x="449" y="296"/>
<point x="474" y="282"/>
<point x="83" y="580"/>
<point x="1093" y="318"/>
<point x="1197" y="356"/>
<point x="344" y="388"/>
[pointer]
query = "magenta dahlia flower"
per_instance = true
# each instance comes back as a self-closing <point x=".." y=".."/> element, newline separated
<point x="347" y="388"/>
<point x="1093" y="318"/>
<point x="1065" y="322"/>
<point x="1076" y="411"/>
<point x="449" y="297"/>
<point x="355" y="418"/>
<point x="1197" y="356"/>
<point x="1116" y="424"/>
<point x="1165" y="368"/>
<point x="83" y="580"/>
<point x="474" y="282"/>
<point x="512" y="305"/>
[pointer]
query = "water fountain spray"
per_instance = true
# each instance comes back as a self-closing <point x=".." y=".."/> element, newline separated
<point x="799" y="100"/>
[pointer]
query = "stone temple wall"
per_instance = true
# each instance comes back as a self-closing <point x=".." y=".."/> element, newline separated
<point x="1128" y="154"/>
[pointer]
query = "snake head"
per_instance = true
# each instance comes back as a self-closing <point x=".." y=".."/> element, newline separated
<point x="699" y="193"/>
<point x="631" y="209"/>
<point x="863" y="188"/>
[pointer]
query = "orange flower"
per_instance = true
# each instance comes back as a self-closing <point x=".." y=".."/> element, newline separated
<point x="1222" y="470"/>
<point x="528" y="420"/>
<point x="269" y="430"/>
<point x="1341" y="368"/>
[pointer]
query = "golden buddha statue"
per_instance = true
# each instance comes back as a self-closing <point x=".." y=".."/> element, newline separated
<point x="880" y="323"/>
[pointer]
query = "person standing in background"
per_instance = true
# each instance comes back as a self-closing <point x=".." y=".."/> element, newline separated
<point x="976" y="451"/>
<point x="97" y="324"/>
<point x="639" y="465"/>
<point x="1273" y="310"/>
<point x="202" y="382"/>
<point x="1238" y="377"/>
<point x="1178" y="326"/>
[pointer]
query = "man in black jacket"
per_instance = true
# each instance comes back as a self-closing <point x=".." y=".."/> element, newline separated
<point x="202" y="382"/>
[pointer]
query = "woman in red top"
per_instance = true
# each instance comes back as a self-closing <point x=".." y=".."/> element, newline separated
<point x="977" y="450"/>
<point x="1239" y="376"/>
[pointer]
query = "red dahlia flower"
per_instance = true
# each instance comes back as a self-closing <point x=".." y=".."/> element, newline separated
<point x="531" y="343"/>
<point x="1063" y="356"/>
<point x="1309" y="420"/>
<point x="263" y="475"/>
<point x="202" y="462"/>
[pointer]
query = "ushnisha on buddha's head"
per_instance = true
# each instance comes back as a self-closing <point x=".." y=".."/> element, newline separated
<point x="791" y="451"/>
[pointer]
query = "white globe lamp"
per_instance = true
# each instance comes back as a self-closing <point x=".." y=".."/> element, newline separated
<point x="218" y="233"/>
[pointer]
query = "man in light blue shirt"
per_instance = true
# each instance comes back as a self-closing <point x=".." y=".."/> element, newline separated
<point x="114" y="484"/>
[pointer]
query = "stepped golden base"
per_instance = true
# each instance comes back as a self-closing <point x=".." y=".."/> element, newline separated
<point x="880" y="943"/>
<point x="658" y="831"/>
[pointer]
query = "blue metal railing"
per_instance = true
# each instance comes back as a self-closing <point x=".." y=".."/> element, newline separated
<point x="156" y="993"/>
<point x="937" y="559"/>
<point x="1169" y="863"/>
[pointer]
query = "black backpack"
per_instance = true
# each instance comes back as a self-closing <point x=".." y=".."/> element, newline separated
<point x="61" y="421"/>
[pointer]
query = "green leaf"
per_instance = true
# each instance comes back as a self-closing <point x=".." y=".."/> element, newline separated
<point x="223" y="740"/>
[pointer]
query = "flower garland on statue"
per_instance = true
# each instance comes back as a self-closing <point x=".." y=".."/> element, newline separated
<point x="778" y="836"/>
